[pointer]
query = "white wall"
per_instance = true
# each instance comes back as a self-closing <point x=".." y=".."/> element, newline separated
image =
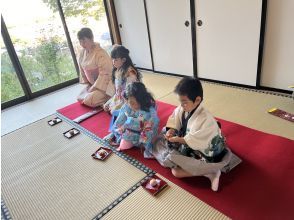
<point x="278" y="56"/>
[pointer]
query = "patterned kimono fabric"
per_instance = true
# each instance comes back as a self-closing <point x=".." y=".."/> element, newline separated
<point x="138" y="127"/>
<point x="117" y="101"/>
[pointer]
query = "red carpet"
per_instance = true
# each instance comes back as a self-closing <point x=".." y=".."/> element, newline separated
<point x="261" y="187"/>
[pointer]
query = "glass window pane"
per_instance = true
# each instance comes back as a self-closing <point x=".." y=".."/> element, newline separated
<point x="10" y="85"/>
<point x="87" y="13"/>
<point x="40" y="43"/>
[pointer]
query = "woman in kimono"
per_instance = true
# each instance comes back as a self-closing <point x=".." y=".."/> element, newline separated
<point x="193" y="144"/>
<point x="95" y="71"/>
<point x="137" y="122"/>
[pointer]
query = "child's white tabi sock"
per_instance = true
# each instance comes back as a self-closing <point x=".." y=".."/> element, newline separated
<point x="214" y="179"/>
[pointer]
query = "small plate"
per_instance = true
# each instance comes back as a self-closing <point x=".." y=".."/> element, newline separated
<point x="54" y="121"/>
<point x="102" y="153"/>
<point x="154" y="189"/>
<point x="71" y="133"/>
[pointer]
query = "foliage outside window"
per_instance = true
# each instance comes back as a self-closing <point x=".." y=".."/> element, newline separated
<point x="40" y="44"/>
<point x="10" y="86"/>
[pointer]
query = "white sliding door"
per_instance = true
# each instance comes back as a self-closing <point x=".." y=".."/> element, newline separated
<point x="227" y="41"/>
<point x="278" y="65"/>
<point x="133" y="30"/>
<point x="170" y="38"/>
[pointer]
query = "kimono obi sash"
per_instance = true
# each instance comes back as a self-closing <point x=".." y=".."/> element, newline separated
<point x="91" y="74"/>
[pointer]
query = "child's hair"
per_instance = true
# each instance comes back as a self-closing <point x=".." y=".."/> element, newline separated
<point x="119" y="51"/>
<point x="140" y="93"/>
<point x="85" y="33"/>
<point x="189" y="87"/>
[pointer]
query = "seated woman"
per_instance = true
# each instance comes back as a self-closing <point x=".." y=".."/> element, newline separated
<point x="193" y="144"/>
<point x="95" y="71"/>
<point x="137" y="122"/>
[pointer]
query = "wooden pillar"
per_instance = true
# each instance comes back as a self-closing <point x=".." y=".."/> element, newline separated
<point x="110" y="10"/>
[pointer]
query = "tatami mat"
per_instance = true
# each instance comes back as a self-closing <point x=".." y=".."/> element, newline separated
<point x="46" y="176"/>
<point x="245" y="107"/>
<point x="159" y="85"/>
<point x="172" y="203"/>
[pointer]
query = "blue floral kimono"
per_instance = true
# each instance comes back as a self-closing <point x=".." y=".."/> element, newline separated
<point x="138" y="127"/>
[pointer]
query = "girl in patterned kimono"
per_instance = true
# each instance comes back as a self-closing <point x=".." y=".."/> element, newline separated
<point x="123" y="73"/>
<point x="193" y="144"/>
<point x="95" y="71"/>
<point x="137" y="122"/>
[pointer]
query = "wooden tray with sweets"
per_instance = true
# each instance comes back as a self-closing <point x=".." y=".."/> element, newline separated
<point x="71" y="133"/>
<point x="102" y="153"/>
<point x="54" y="121"/>
<point x="154" y="185"/>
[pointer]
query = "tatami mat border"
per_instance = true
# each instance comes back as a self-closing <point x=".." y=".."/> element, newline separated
<point x="122" y="197"/>
<point x="249" y="89"/>
<point x="124" y="156"/>
<point x="129" y="159"/>
<point x="5" y="215"/>
<point x="228" y="85"/>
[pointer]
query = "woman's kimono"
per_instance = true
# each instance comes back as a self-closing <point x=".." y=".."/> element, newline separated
<point x="95" y="72"/>
<point x="117" y="101"/>
<point x="201" y="133"/>
<point x="139" y="127"/>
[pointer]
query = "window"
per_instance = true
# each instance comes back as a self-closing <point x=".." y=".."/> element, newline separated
<point x="10" y="85"/>
<point x="91" y="14"/>
<point x="40" y="43"/>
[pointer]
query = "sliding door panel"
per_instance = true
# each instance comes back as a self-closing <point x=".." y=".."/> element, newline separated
<point x="170" y="33"/>
<point x="133" y="31"/>
<point x="227" y="40"/>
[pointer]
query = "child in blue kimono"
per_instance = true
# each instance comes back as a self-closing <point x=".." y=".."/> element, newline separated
<point x="137" y="122"/>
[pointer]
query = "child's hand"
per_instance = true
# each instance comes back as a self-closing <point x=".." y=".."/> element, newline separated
<point x="92" y="89"/>
<point x="106" y="108"/>
<point x="141" y="118"/>
<point x="120" y="130"/>
<point x="175" y="139"/>
<point x="170" y="133"/>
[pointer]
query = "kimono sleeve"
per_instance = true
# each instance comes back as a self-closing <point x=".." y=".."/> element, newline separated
<point x="150" y="128"/>
<point x="132" y="76"/>
<point x="104" y="69"/>
<point x="200" y="133"/>
<point x="83" y="79"/>
<point x="121" y="118"/>
<point x="154" y="120"/>
<point x="174" y="120"/>
<point x="134" y="123"/>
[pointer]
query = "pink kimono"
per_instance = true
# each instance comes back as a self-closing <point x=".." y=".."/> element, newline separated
<point x="95" y="72"/>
